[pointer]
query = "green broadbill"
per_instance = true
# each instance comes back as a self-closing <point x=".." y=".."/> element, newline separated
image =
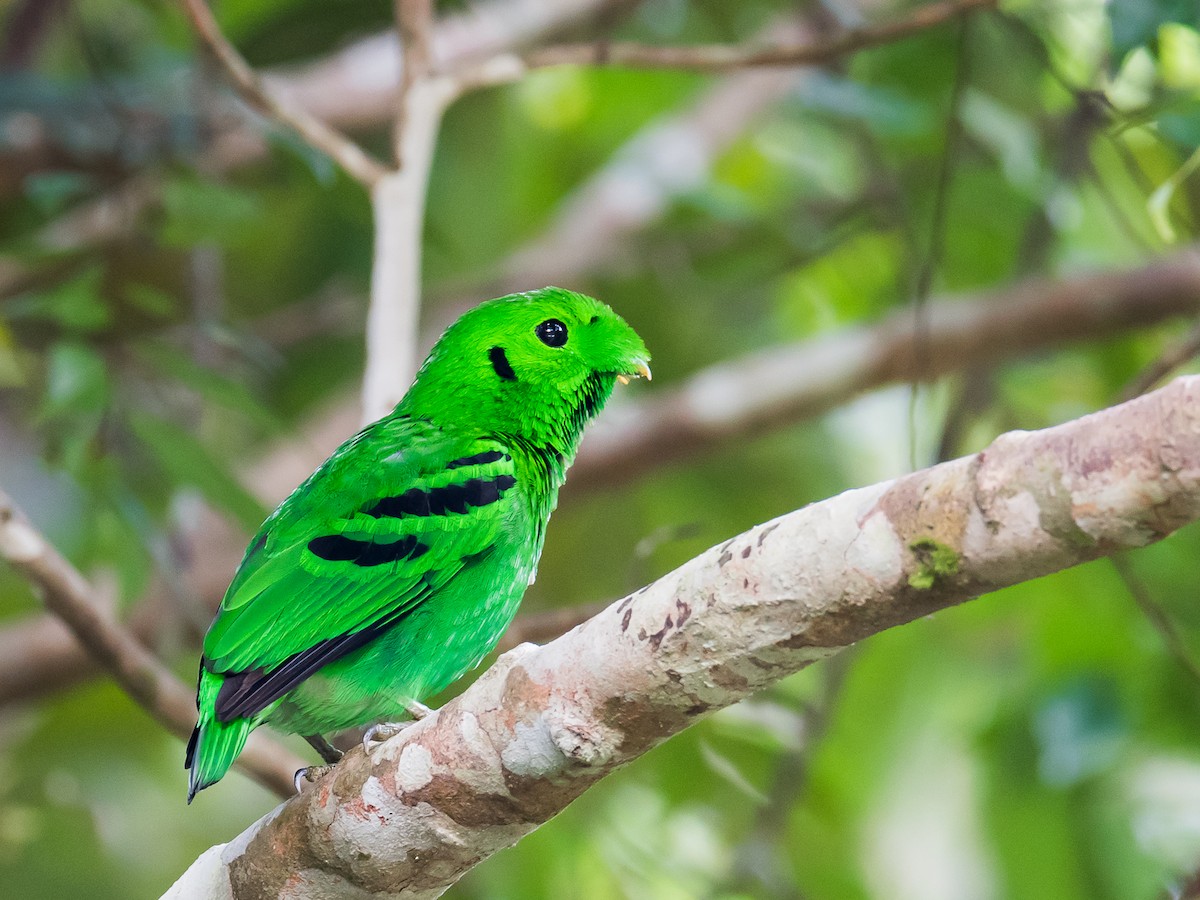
<point x="399" y="563"/>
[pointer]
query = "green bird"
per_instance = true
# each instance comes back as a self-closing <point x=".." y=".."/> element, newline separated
<point x="398" y="564"/>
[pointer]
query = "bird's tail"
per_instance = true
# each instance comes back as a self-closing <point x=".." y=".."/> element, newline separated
<point x="214" y="745"/>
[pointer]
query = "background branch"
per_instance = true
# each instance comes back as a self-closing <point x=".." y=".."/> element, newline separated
<point x="142" y="675"/>
<point x="1156" y="616"/>
<point x="355" y="88"/>
<point x="663" y="161"/>
<point x="413" y="24"/>
<point x="725" y="58"/>
<point x="357" y="163"/>
<point x="398" y="205"/>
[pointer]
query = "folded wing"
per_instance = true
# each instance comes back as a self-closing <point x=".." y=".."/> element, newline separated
<point x="389" y="520"/>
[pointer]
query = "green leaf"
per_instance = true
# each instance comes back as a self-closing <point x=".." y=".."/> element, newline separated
<point x="150" y="300"/>
<point x="1158" y="204"/>
<point x="76" y="304"/>
<point x="10" y="367"/>
<point x="76" y="381"/>
<point x="1179" y="56"/>
<point x="188" y="462"/>
<point x="50" y="192"/>
<point x="1135" y="23"/>
<point x="201" y="211"/>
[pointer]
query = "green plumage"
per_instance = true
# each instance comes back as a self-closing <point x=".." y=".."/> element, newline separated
<point x="400" y="562"/>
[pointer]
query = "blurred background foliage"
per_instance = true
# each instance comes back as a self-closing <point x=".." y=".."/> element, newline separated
<point x="1044" y="741"/>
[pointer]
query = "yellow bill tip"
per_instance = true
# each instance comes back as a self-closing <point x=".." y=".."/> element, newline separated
<point x="641" y="369"/>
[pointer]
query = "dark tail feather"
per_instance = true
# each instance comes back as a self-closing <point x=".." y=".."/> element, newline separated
<point x="214" y="745"/>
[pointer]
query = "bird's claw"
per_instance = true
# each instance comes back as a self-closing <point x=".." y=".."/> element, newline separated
<point x="417" y="710"/>
<point x="381" y="731"/>
<point x="309" y="773"/>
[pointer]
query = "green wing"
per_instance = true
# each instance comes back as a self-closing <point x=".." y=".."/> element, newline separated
<point x="389" y="519"/>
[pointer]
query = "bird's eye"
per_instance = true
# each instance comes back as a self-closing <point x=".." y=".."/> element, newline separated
<point x="552" y="333"/>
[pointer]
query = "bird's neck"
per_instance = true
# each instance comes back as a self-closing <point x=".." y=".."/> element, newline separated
<point x="542" y="422"/>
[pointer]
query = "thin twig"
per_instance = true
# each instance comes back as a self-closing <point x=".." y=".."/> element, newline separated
<point x="1170" y="359"/>
<point x="414" y="19"/>
<point x="1157" y="616"/>
<point x="398" y="205"/>
<point x="345" y="152"/>
<point x="755" y="866"/>
<point x="726" y="57"/>
<point x="67" y="594"/>
<point x="937" y="230"/>
<point x="398" y="208"/>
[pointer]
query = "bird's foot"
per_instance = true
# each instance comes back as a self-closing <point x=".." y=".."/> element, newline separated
<point x="310" y="773"/>
<point x="417" y="710"/>
<point x="329" y="753"/>
<point x="381" y="731"/>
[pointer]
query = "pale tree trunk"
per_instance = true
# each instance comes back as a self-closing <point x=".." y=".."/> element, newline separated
<point x="545" y="723"/>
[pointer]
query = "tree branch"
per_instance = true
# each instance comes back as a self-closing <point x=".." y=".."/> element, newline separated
<point x="413" y="24"/>
<point x="356" y="86"/>
<point x="1168" y="361"/>
<point x="544" y="724"/>
<point x="68" y="595"/>
<point x="663" y="161"/>
<point x="345" y="152"/>
<point x="1157" y="617"/>
<point x="728" y="57"/>
<point x="398" y="204"/>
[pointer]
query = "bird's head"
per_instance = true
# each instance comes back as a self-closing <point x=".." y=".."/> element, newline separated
<point x="539" y="364"/>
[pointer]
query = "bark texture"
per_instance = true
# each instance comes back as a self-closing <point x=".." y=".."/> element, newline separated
<point x="544" y="724"/>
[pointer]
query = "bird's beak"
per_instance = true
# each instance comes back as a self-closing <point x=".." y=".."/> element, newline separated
<point x="641" y="370"/>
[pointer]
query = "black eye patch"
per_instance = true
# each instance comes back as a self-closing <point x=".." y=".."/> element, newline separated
<point x="501" y="364"/>
<point x="552" y="333"/>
